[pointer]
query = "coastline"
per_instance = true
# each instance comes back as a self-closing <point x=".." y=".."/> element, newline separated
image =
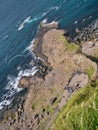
<point x="60" y="64"/>
<point x="37" y="45"/>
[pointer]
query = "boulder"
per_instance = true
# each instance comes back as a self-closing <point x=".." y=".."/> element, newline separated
<point x="90" y="49"/>
<point x="24" y="82"/>
<point x="53" y="100"/>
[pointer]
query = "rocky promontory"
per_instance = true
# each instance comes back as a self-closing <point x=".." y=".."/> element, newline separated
<point x="64" y="68"/>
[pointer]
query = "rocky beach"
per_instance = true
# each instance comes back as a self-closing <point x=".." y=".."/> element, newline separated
<point x="65" y="66"/>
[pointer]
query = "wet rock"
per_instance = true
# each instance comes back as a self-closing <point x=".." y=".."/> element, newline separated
<point x="24" y="82"/>
<point x="85" y="34"/>
<point x="43" y="69"/>
<point x="48" y="113"/>
<point x="36" y="116"/>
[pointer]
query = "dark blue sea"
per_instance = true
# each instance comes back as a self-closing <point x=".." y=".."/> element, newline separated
<point x="19" y="21"/>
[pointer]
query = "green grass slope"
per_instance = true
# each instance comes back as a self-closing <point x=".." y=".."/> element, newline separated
<point x="81" y="112"/>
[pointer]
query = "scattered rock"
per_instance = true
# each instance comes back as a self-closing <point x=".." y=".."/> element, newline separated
<point x="88" y="33"/>
<point x="90" y="49"/>
<point x="36" y="116"/>
<point x="58" y="65"/>
<point x="53" y="100"/>
<point x="24" y="82"/>
<point x="78" y="80"/>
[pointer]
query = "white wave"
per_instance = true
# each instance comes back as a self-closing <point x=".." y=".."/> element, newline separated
<point x="90" y="17"/>
<point x="19" y="67"/>
<point x="44" y="21"/>
<point x="14" y="58"/>
<point x="13" y="82"/>
<point x="42" y="15"/>
<point x="4" y="103"/>
<point x="64" y="1"/>
<point x="1" y="107"/>
<point x="30" y="48"/>
<point x="29" y="20"/>
<point x="21" y="26"/>
<point x="75" y="22"/>
<point x="12" y="86"/>
<point x="53" y="22"/>
<point x="5" y="37"/>
<point x="28" y="72"/>
<point x="83" y="20"/>
<point x="34" y="19"/>
<point x="37" y="17"/>
<point x="57" y="8"/>
<point x="54" y="8"/>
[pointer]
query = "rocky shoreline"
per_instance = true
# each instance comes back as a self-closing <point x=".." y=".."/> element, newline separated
<point x="63" y="70"/>
<point x="89" y="33"/>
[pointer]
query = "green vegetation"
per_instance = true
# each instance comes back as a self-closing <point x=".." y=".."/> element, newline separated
<point x="90" y="72"/>
<point x="70" y="46"/>
<point x="81" y="112"/>
<point x="53" y="91"/>
<point x="34" y="105"/>
<point x="47" y="108"/>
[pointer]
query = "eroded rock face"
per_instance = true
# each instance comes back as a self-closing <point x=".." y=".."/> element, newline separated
<point x="43" y="70"/>
<point x="54" y="47"/>
<point x="90" y="49"/>
<point x="48" y="86"/>
<point x="53" y="100"/>
<point x="79" y="80"/>
<point x="24" y="82"/>
<point x="88" y="33"/>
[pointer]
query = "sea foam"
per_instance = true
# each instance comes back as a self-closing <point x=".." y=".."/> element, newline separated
<point x="45" y="22"/>
<point x="12" y="86"/>
<point x="21" y="26"/>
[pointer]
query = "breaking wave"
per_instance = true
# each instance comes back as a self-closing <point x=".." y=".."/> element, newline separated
<point x="21" y="26"/>
<point x="30" y="20"/>
<point x="12" y="86"/>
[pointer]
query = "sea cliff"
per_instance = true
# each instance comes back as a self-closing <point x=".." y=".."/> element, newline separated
<point x="64" y="68"/>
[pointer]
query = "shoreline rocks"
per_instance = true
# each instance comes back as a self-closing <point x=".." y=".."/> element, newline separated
<point x="46" y="92"/>
<point x="91" y="49"/>
<point x="89" y="33"/>
<point x="37" y="47"/>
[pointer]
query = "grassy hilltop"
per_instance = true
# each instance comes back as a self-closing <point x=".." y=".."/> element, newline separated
<point x="81" y="112"/>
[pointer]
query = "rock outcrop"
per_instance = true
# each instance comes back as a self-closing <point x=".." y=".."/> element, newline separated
<point x="46" y="94"/>
<point x="91" y="49"/>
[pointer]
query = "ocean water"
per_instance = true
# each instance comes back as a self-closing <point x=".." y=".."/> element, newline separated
<point x="19" y="21"/>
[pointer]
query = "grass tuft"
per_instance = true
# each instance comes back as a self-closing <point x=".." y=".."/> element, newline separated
<point x="81" y="112"/>
<point x="90" y="72"/>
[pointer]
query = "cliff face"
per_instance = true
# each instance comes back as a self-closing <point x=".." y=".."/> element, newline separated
<point x="81" y="112"/>
<point x="63" y="71"/>
<point x="53" y="48"/>
<point x="91" y="49"/>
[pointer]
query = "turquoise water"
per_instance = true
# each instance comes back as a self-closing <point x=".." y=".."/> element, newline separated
<point x="19" y="21"/>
